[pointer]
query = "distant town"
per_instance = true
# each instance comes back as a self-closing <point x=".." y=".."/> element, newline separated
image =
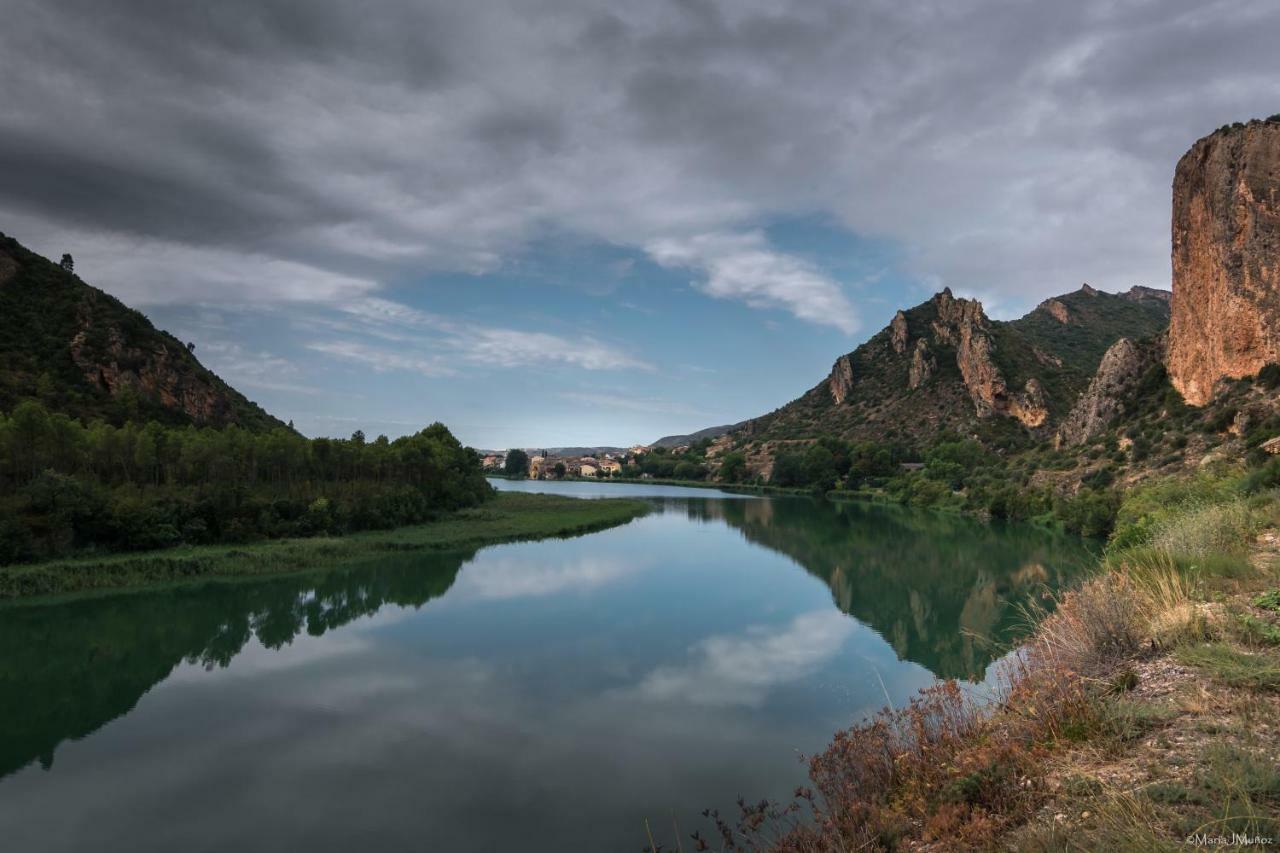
<point x="551" y="465"/>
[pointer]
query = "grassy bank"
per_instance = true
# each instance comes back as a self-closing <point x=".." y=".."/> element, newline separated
<point x="509" y="516"/>
<point x="1142" y="712"/>
<point x="734" y="488"/>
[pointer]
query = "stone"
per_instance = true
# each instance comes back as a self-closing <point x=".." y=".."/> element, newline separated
<point x="1226" y="259"/>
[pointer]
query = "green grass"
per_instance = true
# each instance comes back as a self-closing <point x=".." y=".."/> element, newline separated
<point x="1234" y="668"/>
<point x="507" y="517"/>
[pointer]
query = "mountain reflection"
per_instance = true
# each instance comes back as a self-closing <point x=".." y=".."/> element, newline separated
<point x="67" y="670"/>
<point x="929" y="584"/>
<point x="942" y="590"/>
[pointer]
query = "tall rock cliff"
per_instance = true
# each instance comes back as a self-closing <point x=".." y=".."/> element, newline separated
<point x="1226" y="259"/>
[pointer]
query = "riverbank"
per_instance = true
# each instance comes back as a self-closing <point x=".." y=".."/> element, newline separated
<point x="507" y="517"/>
<point x="733" y="488"/>
<point x="1142" y="713"/>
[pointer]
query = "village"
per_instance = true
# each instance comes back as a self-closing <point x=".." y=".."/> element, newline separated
<point x="549" y="465"/>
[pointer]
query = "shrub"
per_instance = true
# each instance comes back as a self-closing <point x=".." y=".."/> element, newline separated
<point x="1269" y="377"/>
<point x="1201" y="531"/>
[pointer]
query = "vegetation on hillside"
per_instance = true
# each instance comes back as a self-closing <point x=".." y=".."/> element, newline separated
<point x="67" y="487"/>
<point x="882" y="406"/>
<point x="58" y="335"/>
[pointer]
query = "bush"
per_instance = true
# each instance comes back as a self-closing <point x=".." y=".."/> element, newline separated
<point x="1089" y="513"/>
<point x="1269" y="377"/>
<point x="1203" y="531"/>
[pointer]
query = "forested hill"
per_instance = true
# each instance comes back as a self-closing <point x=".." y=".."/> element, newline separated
<point x="80" y="351"/>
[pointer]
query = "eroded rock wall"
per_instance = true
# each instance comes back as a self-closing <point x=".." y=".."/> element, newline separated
<point x="1226" y="259"/>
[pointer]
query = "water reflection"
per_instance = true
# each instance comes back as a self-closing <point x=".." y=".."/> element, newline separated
<point x="945" y="591"/>
<point x="66" y="670"/>
<point x="560" y="691"/>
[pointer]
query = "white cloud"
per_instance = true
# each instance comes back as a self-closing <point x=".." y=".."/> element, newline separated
<point x="743" y="267"/>
<point x="608" y="399"/>
<point x="741" y="669"/>
<point x="243" y="367"/>
<point x="492" y="577"/>
<point x="472" y="343"/>
<point x="381" y="359"/>
<point x="1011" y="150"/>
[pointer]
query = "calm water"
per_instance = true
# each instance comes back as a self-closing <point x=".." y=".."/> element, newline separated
<point x="536" y="696"/>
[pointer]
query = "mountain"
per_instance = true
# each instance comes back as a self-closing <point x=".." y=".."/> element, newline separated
<point x="1226" y="258"/>
<point x="709" y="432"/>
<point x="82" y="352"/>
<point x="945" y="366"/>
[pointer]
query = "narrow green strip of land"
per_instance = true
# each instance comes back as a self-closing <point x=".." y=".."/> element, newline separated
<point x="508" y="517"/>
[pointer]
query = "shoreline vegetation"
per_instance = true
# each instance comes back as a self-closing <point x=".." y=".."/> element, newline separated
<point x="1138" y="714"/>
<point x="506" y="517"/>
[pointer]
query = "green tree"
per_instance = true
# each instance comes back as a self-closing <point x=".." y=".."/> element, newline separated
<point x="517" y="463"/>
<point x="733" y="468"/>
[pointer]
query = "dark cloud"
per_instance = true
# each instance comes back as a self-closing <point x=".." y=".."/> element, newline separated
<point x="1012" y="149"/>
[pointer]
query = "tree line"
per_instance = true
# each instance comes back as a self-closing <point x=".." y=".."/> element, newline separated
<point x="67" y="486"/>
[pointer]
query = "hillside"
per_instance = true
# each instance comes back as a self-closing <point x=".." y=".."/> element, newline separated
<point x="709" y="432"/>
<point x="944" y="366"/>
<point x="84" y="353"/>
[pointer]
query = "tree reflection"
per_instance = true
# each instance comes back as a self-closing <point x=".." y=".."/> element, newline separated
<point x="943" y="590"/>
<point x="67" y="670"/>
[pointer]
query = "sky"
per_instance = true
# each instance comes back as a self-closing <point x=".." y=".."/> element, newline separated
<point x="554" y="222"/>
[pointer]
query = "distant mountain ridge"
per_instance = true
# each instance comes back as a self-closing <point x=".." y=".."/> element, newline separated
<point x="944" y="366"/>
<point x="82" y="352"/>
<point x="709" y="432"/>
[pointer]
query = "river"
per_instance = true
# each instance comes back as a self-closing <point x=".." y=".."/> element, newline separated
<point x="534" y="696"/>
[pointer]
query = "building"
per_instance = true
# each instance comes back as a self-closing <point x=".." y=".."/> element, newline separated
<point x="610" y="467"/>
<point x="587" y="470"/>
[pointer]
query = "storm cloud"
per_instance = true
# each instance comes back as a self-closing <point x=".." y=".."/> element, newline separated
<point x="288" y="150"/>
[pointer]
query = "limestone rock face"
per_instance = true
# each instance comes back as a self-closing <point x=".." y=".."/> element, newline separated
<point x="898" y="332"/>
<point x="923" y="365"/>
<point x="1057" y="310"/>
<point x="158" y="370"/>
<point x="1104" y="400"/>
<point x="841" y="379"/>
<point x="1226" y="259"/>
<point x="963" y="324"/>
<point x="1138" y="293"/>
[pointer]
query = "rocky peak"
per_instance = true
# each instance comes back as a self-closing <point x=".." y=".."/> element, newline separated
<point x="1138" y="293"/>
<point x="923" y="365"/>
<point x="1056" y="309"/>
<point x="963" y="324"/>
<point x="1226" y="259"/>
<point x="898" y="332"/>
<point x="956" y="317"/>
<point x="1087" y="290"/>
<point x="840" y="382"/>
<point x="1118" y="374"/>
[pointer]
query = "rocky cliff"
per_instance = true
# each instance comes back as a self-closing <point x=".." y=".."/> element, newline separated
<point x="963" y="324"/>
<point x="1109" y="392"/>
<point x="80" y="351"/>
<point x="1226" y="259"/>
<point x="944" y="365"/>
